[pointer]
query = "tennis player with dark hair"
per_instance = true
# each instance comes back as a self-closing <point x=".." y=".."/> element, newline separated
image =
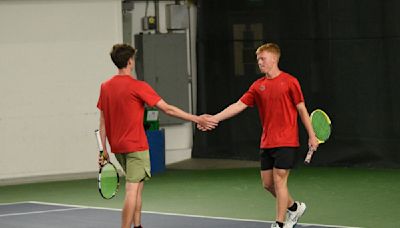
<point x="279" y="100"/>
<point x="121" y="102"/>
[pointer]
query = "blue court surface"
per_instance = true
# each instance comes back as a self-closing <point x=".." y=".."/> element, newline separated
<point x="46" y="215"/>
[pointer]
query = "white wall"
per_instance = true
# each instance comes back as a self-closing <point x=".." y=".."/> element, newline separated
<point x="53" y="56"/>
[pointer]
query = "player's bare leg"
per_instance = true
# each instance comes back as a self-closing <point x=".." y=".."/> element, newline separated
<point x="129" y="204"/>
<point x="137" y="217"/>
<point x="268" y="184"/>
<point x="280" y="177"/>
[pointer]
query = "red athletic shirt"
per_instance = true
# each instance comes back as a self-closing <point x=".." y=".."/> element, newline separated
<point x="276" y="100"/>
<point x="122" y="100"/>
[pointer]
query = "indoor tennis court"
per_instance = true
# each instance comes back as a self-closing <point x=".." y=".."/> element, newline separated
<point x="194" y="195"/>
<point x="200" y="56"/>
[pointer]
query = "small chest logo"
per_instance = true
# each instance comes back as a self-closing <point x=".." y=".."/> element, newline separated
<point x="262" y="87"/>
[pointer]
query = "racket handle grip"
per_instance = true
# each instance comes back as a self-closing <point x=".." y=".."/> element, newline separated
<point x="99" y="143"/>
<point x="309" y="156"/>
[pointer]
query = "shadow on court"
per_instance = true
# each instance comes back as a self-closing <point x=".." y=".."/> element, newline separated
<point x="35" y="214"/>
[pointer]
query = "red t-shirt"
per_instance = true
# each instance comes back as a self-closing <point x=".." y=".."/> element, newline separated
<point x="276" y="100"/>
<point x="122" y="100"/>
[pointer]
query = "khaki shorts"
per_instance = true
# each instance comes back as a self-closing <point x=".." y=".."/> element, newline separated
<point x="136" y="165"/>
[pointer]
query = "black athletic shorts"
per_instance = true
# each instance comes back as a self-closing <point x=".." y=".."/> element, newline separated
<point x="279" y="157"/>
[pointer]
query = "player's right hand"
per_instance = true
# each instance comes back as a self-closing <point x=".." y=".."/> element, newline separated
<point x="207" y="122"/>
<point x="103" y="159"/>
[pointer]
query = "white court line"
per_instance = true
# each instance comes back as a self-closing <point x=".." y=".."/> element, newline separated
<point x="14" y="203"/>
<point x="73" y="205"/>
<point x="39" y="212"/>
<point x="188" y="215"/>
<point x="244" y="220"/>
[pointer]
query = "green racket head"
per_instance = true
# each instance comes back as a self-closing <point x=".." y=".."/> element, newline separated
<point x="321" y="125"/>
<point x="108" y="181"/>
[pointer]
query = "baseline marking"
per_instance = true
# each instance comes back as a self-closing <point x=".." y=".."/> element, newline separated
<point x="40" y="212"/>
<point x="185" y="215"/>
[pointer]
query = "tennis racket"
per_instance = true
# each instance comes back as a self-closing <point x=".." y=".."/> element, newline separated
<point x="322" y="127"/>
<point x="108" y="179"/>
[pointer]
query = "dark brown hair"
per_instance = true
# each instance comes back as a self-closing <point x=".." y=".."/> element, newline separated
<point x="121" y="53"/>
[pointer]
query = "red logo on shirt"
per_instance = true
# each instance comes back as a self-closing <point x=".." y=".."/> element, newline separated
<point x="262" y="87"/>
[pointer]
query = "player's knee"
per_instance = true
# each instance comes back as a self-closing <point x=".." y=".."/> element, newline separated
<point x="280" y="177"/>
<point x="269" y="187"/>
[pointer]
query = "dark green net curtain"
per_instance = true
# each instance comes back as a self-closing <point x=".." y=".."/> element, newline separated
<point x="345" y="53"/>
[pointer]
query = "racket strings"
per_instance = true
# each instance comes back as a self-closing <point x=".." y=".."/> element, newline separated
<point x="108" y="181"/>
<point x="321" y="125"/>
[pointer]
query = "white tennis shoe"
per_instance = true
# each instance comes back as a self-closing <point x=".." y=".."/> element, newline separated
<point x="275" y="225"/>
<point x="292" y="217"/>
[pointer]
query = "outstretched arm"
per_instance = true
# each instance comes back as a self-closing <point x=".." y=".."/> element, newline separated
<point x="227" y="113"/>
<point x="171" y="110"/>
<point x="230" y="111"/>
<point x="305" y="118"/>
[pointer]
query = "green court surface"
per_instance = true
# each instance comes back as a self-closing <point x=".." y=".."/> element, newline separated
<point x="334" y="196"/>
